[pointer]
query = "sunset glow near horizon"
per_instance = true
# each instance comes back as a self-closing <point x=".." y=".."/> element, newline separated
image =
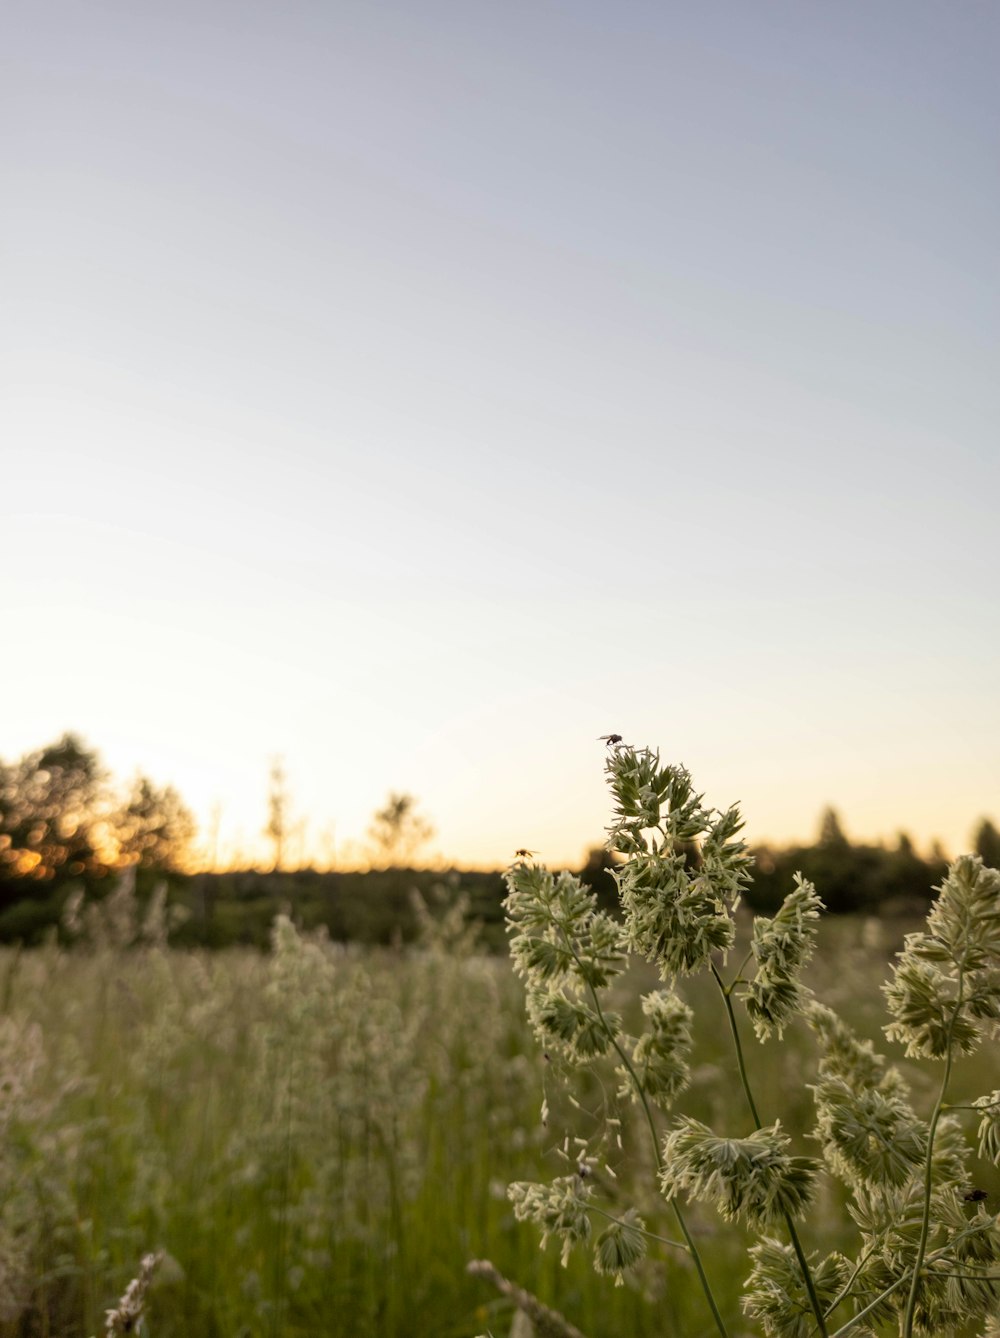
<point x="417" y="393"/>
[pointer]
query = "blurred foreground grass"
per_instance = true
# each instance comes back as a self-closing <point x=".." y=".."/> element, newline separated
<point x="319" y="1139"/>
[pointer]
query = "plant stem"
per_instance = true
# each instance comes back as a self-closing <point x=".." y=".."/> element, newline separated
<point x="925" y="1224"/>
<point x="872" y="1305"/>
<point x="641" y="1093"/>
<point x="738" y="1044"/>
<point x="664" y="1240"/>
<point x="845" y="1291"/>
<point x="938" y="1254"/>
<point x="689" y="1239"/>
<point x="792" y="1233"/>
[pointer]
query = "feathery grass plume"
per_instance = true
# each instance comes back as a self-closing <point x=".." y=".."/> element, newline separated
<point x="114" y="922"/>
<point x="775" y="1293"/>
<point x="946" y="982"/>
<point x="558" y="932"/>
<point x="782" y="946"/>
<point x="127" y="1316"/>
<point x="870" y="1133"/>
<point x="620" y="1246"/>
<point x="753" y="1179"/>
<point x="559" y="1208"/>
<point x="445" y="926"/>
<point x="685" y="868"/>
<point x="843" y="1054"/>
<point x="869" y="1136"/>
<point x="566" y="950"/>
<point x="673" y="917"/>
<point x="660" y="1055"/>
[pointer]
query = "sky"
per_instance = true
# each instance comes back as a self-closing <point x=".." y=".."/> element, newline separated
<point x="415" y="392"/>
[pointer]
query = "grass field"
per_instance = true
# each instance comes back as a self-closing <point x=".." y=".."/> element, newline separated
<point x="319" y="1140"/>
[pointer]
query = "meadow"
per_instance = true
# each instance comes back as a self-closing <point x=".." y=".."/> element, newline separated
<point x="319" y="1138"/>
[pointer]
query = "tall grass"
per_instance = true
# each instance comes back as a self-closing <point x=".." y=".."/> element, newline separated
<point x="318" y="1140"/>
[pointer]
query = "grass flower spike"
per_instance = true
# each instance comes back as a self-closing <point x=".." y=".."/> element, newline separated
<point x="927" y="1259"/>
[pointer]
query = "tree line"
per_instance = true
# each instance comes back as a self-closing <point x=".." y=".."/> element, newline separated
<point x="66" y="825"/>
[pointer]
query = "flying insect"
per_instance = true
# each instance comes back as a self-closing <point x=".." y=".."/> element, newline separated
<point x="612" y="740"/>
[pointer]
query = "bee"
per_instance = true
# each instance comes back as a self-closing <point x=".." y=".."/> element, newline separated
<point x="975" y="1196"/>
<point x="525" y="854"/>
<point x="612" y="740"/>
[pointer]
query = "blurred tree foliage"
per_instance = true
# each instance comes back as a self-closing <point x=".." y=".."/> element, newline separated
<point x="850" y="878"/>
<point x="987" y="844"/>
<point x="397" y="831"/>
<point x="52" y="827"/>
<point x="153" y="829"/>
<point x="63" y="823"/>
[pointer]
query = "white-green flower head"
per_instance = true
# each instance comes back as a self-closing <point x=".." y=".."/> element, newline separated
<point x="557" y="930"/>
<point x="776" y="1293"/>
<point x="946" y="983"/>
<point x="869" y="1137"/>
<point x="620" y="1246"/>
<point x="782" y="946"/>
<point x="560" y="1209"/>
<point x="753" y="1179"/>
<point x="843" y="1054"/>
<point x="571" y="1026"/>
<point x="648" y="798"/>
<point x="964" y="922"/>
<point x="657" y="809"/>
<point x="672" y="917"/>
<point x="660" y="1056"/>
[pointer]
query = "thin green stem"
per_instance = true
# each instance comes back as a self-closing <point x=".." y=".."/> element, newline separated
<point x="872" y="1305"/>
<point x="938" y="1254"/>
<point x="972" y="1277"/>
<point x="738" y="1044"/>
<point x="739" y="969"/>
<point x="793" y="1235"/>
<point x="664" y="1240"/>
<point x="845" y="1291"/>
<point x="641" y="1093"/>
<point x="925" y="1223"/>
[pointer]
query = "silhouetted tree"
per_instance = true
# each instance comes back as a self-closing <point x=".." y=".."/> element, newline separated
<point x="153" y="828"/>
<point x="830" y="831"/>
<point x="987" y="844"/>
<point x="596" y="873"/>
<point x="277" y="811"/>
<point x="398" y="831"/>
<point x="54" y="818"/>
<point x="848" y="877"/>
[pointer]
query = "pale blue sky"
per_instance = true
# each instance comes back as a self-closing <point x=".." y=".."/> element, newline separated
<point x="420" y="390"/>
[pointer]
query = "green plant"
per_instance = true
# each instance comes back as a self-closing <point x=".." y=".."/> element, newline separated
<point x="926" y="1256"/>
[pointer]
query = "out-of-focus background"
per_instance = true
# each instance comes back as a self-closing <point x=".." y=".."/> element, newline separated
<point x="414" y="393"/>
<point x="394" y="399"/>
